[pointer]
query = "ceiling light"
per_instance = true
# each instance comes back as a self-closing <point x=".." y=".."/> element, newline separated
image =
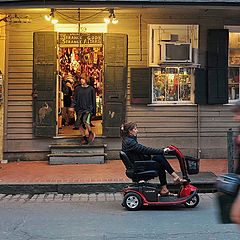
<point x="114" y="21"/>
<point x="107" y="20"/>
<point x="48" y="17"/>
<point x="111" y="18"/>
<point x="51" y="17"/>
<point x="54" y="21"/>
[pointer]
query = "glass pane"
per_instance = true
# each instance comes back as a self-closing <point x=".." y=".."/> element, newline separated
<point x="171" y="84"/>
<point x="233" y="83"/>
<point x="234" y="48"/>
<point x="184" y="84"/>
<point x="159" y="85"/>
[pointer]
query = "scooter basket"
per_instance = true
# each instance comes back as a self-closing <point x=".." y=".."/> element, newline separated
<point x="192" y="165"/>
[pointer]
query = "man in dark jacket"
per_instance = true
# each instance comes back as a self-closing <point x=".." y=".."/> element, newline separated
<point x="85" y="106"/>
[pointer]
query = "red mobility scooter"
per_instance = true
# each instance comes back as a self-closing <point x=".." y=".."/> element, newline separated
<point x="143" y="193"/>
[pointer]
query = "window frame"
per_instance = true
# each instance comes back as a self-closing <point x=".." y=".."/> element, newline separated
<point x="233" y="29"/>
<point x="154" y="55"/>
<point x="191" y="101"/>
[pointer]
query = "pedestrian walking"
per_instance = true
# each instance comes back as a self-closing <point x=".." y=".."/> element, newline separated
<point x="85" y="106"/>
<point x="235" y="211"/>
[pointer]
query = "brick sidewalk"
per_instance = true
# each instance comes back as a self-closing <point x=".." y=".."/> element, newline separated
<point x="111" y="171"/>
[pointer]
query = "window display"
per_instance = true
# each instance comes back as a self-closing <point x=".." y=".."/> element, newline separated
<point x="172" y="84"/>
<point x="234" y="48"/>
<point x="234" y="65"/>
<point x="74" y="61"/>
<point x="233" y="83"/>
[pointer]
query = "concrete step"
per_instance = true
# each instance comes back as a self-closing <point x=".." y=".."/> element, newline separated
<point x="77" y="158"/>
<point x="77" y="148"/>
<point x="99" y="140"/>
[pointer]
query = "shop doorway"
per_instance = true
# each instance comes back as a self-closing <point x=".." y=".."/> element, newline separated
<point x="72" y="62"/>
<point x="76" y="51"/>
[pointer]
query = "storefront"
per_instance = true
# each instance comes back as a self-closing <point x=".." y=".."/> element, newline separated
<point x="156" y="67"/>
<point x="79" y="50"/>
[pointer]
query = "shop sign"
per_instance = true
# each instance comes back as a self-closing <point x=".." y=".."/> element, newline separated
<point x="83" y="28"/>
<point x="81" y="38"/>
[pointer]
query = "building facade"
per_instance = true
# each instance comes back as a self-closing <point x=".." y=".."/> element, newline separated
<point x="172" y="69"/>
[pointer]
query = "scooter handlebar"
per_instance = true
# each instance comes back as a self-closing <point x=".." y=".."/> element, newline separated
<point x="168" y="151"/>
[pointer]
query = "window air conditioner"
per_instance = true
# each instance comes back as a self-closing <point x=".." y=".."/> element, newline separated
<point x="175" y="52"/>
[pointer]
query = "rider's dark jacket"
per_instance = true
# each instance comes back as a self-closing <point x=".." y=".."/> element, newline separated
<point x="136" y="151"/>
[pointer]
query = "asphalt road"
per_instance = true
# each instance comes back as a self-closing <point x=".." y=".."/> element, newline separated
<point x="101" y="217"/>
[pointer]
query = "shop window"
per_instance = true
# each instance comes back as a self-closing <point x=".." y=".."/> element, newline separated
<point x="173" y="56"/>
<point x="233" y="83"/>
<point x="234" y="65"/>
<point x="172" y="84"/>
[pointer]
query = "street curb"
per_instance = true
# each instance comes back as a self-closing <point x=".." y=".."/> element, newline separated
<point x="71" y="188"/>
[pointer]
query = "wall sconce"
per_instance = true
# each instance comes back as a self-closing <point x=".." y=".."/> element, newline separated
<point x="51" y="17"/>
<point x="112" y="18"/>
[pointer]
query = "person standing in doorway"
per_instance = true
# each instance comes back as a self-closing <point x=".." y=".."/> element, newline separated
<point x="67" y="100"/>
<point x="85" y="106"/>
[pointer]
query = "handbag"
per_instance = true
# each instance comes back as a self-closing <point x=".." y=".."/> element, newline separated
<point x="228" y="187"/>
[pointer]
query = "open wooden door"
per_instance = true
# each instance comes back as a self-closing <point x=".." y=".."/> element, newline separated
<point x="115" y="83"/>
<point x="44" y="83"/>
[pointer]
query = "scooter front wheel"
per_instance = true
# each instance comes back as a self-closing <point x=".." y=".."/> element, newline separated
<point x="193" y="202"/>
<point x="132" y="201"/>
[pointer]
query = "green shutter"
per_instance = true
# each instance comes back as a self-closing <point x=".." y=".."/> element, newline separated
<point x="217" y="86"/>
<point x="201" y="86"/>
<point x="140" y="85"/>
<point x="115" y="83"/>
<point x="217" y="48"/>
<point x="217" y="57"/>
<point x="44" y="83"/>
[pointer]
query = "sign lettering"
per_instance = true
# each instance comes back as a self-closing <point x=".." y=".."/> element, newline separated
<point x="81" y="38"/>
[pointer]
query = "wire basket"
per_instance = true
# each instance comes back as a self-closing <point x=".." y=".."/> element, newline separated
<point x="192" y="165"/>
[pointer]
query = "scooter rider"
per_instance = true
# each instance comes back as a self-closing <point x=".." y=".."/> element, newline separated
<point x="138" y="152"/>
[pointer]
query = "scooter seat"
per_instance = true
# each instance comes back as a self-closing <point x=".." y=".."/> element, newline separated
<point x="139" y="170"/>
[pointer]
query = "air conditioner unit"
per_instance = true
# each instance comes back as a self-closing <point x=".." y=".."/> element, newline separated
<point x="175" y="52"/>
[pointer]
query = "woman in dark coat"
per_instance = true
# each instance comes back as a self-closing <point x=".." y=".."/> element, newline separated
<point x="138" y="152"/>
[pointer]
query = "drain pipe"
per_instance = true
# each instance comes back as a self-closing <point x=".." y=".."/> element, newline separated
<point x="140" y="36"/>
<point x="198" y="132"/>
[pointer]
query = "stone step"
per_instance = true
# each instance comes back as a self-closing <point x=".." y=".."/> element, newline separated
<point x="76" y="140"/>
<point x="77" y="148"/>
<point x="77" y="158"/>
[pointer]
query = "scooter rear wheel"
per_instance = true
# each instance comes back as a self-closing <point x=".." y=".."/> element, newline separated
<point x="132" y="201"/>
<point x="193" y="202"/>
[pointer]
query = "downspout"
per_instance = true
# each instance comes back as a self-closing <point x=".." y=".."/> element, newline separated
<point x="2" y="82"/>
<point x="199" y="132"/>
<point x="140" y="36"/>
